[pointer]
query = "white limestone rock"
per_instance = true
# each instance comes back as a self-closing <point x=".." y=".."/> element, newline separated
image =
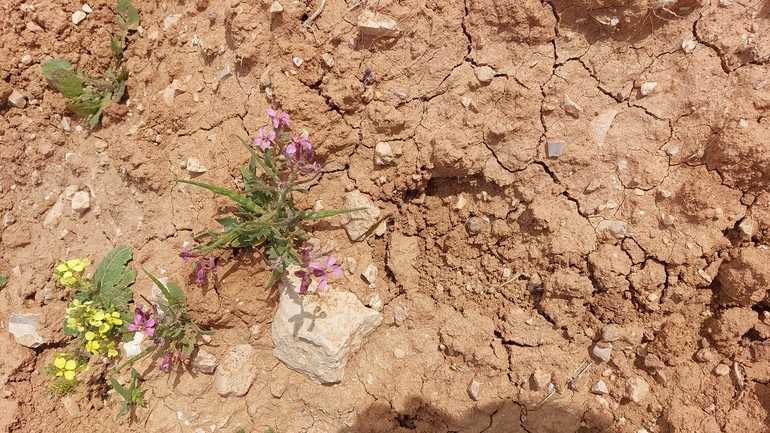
<point x="234" y="376"/>
<point x="316" y="334"/>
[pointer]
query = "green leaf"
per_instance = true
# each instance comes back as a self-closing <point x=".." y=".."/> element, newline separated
<point x="126" y="394"/>
<point x="172" y="292"/>
<point x="112" y="279"/>
<point x="327" y="213"/>
<point x="3" y="281"/>
<point x="52" y="65"/>
<point x="67" y="82"/>
<point x="228" y="222"/>
<point x="233" y="195"/>
<point x="85" y="108"/>
<point x="116" y="46"/>
<point x="128" y="17"/>
<point x="177" y="294"/>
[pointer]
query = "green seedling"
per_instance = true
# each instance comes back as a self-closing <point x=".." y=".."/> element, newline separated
<point x="3" y="281"/>
<point x="87" y="96"/>
<point x="131" y="397"/>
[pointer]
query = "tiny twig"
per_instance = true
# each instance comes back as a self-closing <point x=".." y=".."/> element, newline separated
<point x="309" y="21"/>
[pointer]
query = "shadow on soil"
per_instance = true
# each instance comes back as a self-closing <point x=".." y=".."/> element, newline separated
<point x="503" y="417"/>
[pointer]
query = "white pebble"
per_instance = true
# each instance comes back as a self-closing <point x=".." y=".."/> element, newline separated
<point x="399" y="354"/>
<point x="603" y="353"/>
<point x="647" y="88"/>
<point x="87" y="9"/>
<point x="297" y="61"/>
<point x="78" y="16"/>
<point x="27" y="59"/>
<point x="370" y="273"/>
<point x="600" y="388"/>
<point x="81" y="201"/>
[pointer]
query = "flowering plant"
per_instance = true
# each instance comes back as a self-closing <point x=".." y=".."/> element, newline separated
<point x="266" y="217"/>
<point x="168" y="323"/>
<point x="96" y="316"/>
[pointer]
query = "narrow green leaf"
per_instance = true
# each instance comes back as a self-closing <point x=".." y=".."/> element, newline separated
<point x="265" y="167"/>
<point x="176" y="292"/>
<point x="126" y="394"/>
<point x="233" y="195"/>
<point x="163" y="289"/>
<point x="327" y="213"/>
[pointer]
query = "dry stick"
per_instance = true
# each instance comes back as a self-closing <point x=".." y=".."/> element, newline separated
<point x="306" y="24"/>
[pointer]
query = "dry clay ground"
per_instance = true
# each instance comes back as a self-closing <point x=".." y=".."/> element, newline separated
<point x="511" y="265"/>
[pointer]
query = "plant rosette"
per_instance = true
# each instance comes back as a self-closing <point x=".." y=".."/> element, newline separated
<point x="266" y="217"/>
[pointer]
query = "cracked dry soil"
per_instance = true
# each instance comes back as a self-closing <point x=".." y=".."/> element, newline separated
<point x="654" y="219"/>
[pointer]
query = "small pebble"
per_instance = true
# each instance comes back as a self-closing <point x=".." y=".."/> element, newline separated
<point x="705" y="355"/>
<point x="26" y="60"/>
<point x="87" y="9"/>
<point x="672" y="150"/>
<point x="647" y="88"/>
<point x="570" y="107"/>
<point x="688" y="45"/>
<point x="81" y="201"/>
<point x="603" y="353"/>
<point x="722" y="370"/>
<point x="474" y="389"/>
<point x="399" y="315"/>
<point x="636" y="389"/>
<point x="17" y="99"/>
<point x="297" y="61"/>
<point x="78" y="16"/>
<point x="625" y="92"/>
<point x="743" y="124"/>
<point x="399" y="354"/>
<point x="276" y="8"/>
<point x="600" y="388"/>
<point x="555" y="148"/>
<point x="485" y="74"/>
<point x="370" y="273"/>
<point x="460" y="202"/>
<point x="610" y="333"/>
<point x="475" y="226"/>
<point x="540" y="379"/>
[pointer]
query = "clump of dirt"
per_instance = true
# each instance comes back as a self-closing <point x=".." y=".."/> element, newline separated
<point x="502" y="267"/>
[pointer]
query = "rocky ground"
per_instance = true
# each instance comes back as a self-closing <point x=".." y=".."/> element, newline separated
<point x="574" y="197"/>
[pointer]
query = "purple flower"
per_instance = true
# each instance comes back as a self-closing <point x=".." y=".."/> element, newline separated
<point x="298" y="152"/>
<point x="201" y="273"/>
<point x="311" y="169"/>
<point x="275" y="264"/>
<point x="166" y="362"/>
<point x="143" y="322"/>
<point x="305" y="276"/>
<point x="264" y="139"/>
<point x="329" y="268"/>
<point x="186" y="254"/>
<point x="278" y="119"/>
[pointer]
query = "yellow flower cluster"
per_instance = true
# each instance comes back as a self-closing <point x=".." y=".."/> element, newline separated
<point x="94" y="325"/>
<point x="70" y="272"/>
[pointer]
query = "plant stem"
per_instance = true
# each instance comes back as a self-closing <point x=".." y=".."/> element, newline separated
<point x="136" y="357"/>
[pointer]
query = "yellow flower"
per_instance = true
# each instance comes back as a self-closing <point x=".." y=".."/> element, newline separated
<point x="93" y="346"/>
<point x="70" y="272"/>
<point x="65" y="367"/>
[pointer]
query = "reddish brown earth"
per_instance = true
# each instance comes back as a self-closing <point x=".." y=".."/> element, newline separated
<point x="681" y="175"/>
